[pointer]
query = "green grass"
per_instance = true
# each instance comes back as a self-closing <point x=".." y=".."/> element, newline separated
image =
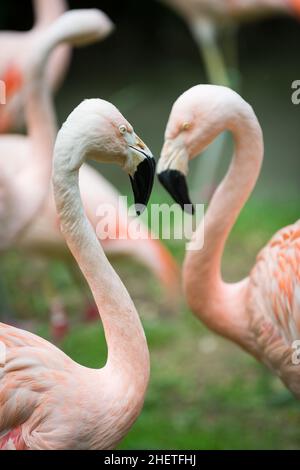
<point x="204" y="392"/>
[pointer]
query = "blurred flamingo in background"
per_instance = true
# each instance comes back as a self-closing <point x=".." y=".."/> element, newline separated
<point x="41" y="235"/>
<point x="208" y="20"/>
<point x="15" y="49"/>
<point x="47" y="401"/>
<point x="25" y="164"/>
<point x="260" y="313"/>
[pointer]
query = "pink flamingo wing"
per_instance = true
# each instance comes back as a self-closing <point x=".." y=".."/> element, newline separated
<point x="275" y="291"/>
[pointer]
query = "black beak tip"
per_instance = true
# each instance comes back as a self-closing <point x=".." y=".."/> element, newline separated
<point x="175" y="183"/>
<point x="142" y="184"/>
<point x="189" y="209"/>
<point x="139" y="209"/>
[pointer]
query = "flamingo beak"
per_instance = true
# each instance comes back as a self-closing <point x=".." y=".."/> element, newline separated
<point x="142" y="174"/>
<point x="172" y="171"/>
<point x="175" y="183"/>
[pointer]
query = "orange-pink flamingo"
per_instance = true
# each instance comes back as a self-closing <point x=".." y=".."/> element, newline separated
<point x="260" y="313"/>
<point x="47" y="401"/>
<point x="15" y="49"/>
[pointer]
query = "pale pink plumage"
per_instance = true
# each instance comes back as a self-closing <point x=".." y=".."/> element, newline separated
<point x="15" y="49"/>
<point x="47" y="401"/>
<point x="260" y="313"/>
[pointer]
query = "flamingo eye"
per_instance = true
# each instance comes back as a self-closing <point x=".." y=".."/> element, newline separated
<point x="123" y="129"/>
<point x="186" y="126"/>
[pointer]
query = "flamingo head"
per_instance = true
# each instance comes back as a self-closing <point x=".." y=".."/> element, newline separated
<point x="82" y="27"/>
<point x="197" y="118"/>
<point x="102" y="134"/>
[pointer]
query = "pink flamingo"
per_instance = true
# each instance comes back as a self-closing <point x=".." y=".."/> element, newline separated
<point x="206" y="18"/>
<point x="260" y="313"/>
<point x="15" y="49"/>
<point x="47" y="401"/>
<point x="25" y="166"/>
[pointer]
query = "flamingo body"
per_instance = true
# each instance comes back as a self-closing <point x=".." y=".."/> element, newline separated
<point x="48" y="402"/>
<point x="274" y="303"/>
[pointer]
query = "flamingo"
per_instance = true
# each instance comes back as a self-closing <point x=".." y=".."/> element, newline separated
<point x="207" y="20"/>
<point x="47" y="401"/>
<point x="15" y="49"/>
<point x="25" y="166"/>
<point x="262" y="312"/>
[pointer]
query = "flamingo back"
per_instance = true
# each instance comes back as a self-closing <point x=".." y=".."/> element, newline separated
<point x="274" y="306"/>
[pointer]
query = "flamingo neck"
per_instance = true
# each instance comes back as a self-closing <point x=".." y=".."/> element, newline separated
<point x="39" y="108"/>
<point x="41" y="128"/>
<point x="220" y="304"/>
<point x="47" y="11"/>
<point x="128" y="355"/>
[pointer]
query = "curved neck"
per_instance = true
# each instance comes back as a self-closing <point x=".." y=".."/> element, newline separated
<point x="47" y="11"/>
<point x="41" y="126"/>
<point x="128" y="354"/>
<point x="218" y="302"/>
<point x="40" y="117"/>
<point x="39" y="107"/>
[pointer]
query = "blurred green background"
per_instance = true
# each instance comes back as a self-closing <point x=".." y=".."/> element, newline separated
<point x="204" y="392"/>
